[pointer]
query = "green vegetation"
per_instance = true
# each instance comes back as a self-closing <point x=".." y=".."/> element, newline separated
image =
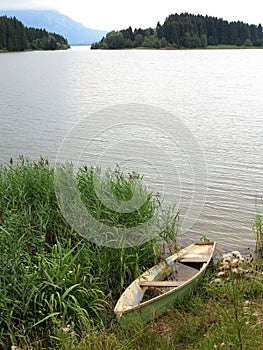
<point x="226" y="316"/>
<point x="14" y="36"/>
<point x="58" y="290"/>
<point x="258" y="227"/>
<point x="49" y="275"/>
<point x="185" y="31"/>
<point x="225" y="46"/>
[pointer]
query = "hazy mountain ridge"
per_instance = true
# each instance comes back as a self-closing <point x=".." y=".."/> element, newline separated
<point x="53" y="21"/>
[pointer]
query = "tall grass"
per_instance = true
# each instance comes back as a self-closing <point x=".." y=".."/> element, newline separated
<point x="258" y="228"/>
<point x="239" y="288"/>
<point x="226" y="315"/>
<point x="50" y="277"/>
<point x="120" y="187"/>
<point x="57" y="290"/>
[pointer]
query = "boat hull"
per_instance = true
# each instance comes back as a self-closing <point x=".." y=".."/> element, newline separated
<point x="132" y="308"/>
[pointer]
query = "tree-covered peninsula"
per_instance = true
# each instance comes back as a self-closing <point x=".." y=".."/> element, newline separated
<point x="185" y="31"/>
<point x="14" y="36"/>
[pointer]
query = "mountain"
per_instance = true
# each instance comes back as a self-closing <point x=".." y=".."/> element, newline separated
<point x="55" y="22"/>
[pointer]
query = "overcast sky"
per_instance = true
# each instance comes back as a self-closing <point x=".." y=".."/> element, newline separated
<point x="119" y="14"/>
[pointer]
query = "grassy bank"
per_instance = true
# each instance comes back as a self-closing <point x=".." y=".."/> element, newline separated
<point x="209" y="47"/>
<point x="50" y="275"/>
<point x="221" y="46"/>
<point x="226" y="316"/>
<point x="58" y="289"/>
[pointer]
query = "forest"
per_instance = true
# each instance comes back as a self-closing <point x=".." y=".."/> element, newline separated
<point x="14" y="36"/>
<point x="185" y="31"/>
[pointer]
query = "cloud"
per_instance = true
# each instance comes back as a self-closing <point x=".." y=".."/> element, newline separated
<point x="28" y="4"/>
<point x="116" y="14"/>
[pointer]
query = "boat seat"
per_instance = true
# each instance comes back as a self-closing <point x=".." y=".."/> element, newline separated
<point x="186" y="259"/>
<point x="161" y="283"/>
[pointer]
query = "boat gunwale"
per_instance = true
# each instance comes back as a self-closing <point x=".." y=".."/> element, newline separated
<point x="175" y="257"/>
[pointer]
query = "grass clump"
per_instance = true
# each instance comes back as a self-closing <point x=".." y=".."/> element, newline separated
<point x="117" y="190"/>
<point x="227" y="315"/>
<point x="258" y="228"/>
<point x="51" y="278"/>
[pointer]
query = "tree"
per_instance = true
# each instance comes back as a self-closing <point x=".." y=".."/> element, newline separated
<point x="138" y="40"/>
<point x="195" y="41"/>
<point x="248" y="42"/>
<point x="2" y="33"/>
<point x="127" y="34"/>
<point x="115" y="40"/>
<point x="152" y="41"/>
<point x="203" y="40"/>
<point x="159" y="30"/>
<point x="14" y="36"/>
<point x="52" y="44"/>
<point x="187" y="40"/>
<point x="185" y="30"/>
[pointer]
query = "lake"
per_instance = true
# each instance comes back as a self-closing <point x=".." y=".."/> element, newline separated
<point x="190" y="121"/>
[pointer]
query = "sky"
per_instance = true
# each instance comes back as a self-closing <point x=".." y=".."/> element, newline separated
<point x="119" y="14"/>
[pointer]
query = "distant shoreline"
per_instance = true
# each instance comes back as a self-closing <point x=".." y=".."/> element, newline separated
<point x="210" y="47"/>
<point x="168" y="48"/>
<point x="188" y="31"/>
<point x="28" y="50"/>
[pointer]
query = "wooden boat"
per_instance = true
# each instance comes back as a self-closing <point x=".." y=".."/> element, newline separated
<point x="160" y="287"/>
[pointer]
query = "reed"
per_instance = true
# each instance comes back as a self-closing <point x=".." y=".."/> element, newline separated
<point x="50" y="276"/>
<point x="57" y="290"/>
<point x="258" y="228"/>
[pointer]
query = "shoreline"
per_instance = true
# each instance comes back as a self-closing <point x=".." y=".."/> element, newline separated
<point x="210" y="47"/>
<point x="30" y="50"/>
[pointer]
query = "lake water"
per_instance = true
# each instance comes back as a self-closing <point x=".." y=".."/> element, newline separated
<point x="190" y="121"/>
